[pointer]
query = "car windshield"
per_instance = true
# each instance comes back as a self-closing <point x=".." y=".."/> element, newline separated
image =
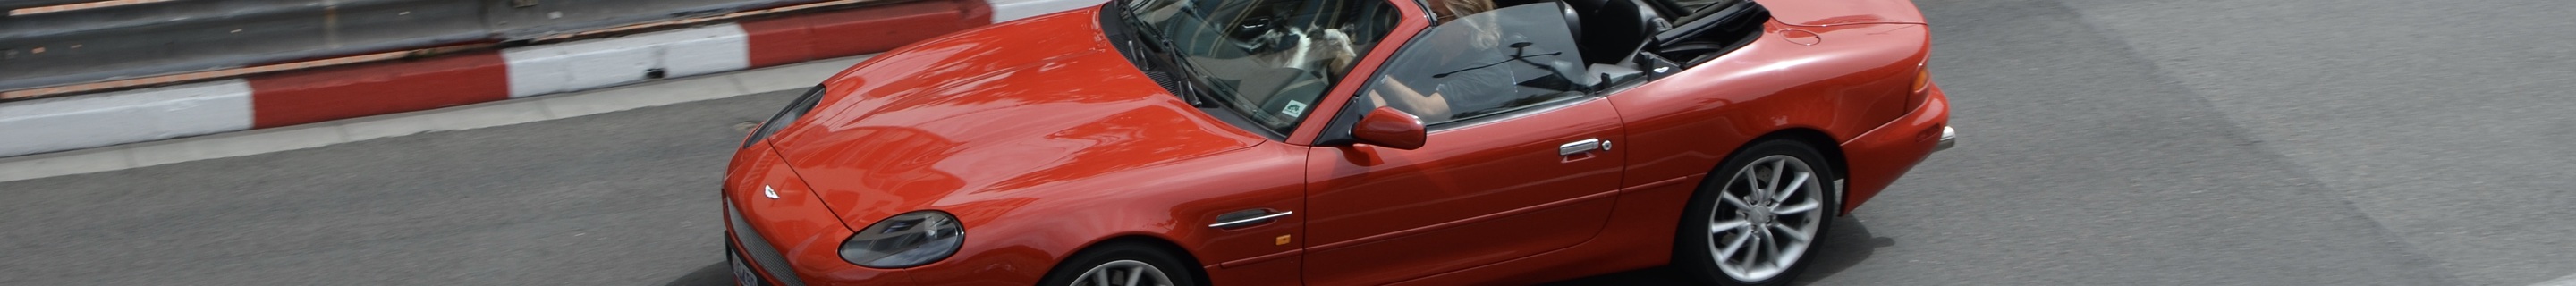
<point x="1269" y="60"/>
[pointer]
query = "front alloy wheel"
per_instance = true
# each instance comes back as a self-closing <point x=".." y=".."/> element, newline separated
<point x="1123" y="273"/>
<point x="1123" y="264"/>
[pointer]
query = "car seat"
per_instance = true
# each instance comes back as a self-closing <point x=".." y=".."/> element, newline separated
<point x="1612" y="31"/>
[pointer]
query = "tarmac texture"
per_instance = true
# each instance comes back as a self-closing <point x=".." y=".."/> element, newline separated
<point x="2104" y="142"/>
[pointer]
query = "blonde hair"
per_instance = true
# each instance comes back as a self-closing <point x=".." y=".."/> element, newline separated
<point x="1486" y="35"/>
<point x="1452" y="9"/>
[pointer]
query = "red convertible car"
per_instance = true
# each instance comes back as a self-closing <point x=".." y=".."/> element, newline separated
<point x="1343" y="142"/>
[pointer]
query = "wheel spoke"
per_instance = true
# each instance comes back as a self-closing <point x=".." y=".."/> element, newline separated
<point x="1731" y="200"/>
<point x="1799" y="208"/>
<point x="1793" y="234"/>
<point x="1779" y="256"/>
<point x="1135" y="275"/>
<point x="1732" y="247"/>
<point x="1100" y="278"/>
<point x="1752" y="184"/>
<point x="1799" y="181"/>
<point x="1753" y="257"/>
<point x="1777" y="167"/>
<point x="1770" y="250"/>
<point x="1715" y="228"/>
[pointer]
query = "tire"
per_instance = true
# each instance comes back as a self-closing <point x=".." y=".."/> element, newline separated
<point x="1111" y="265"/>
<point x="1765" y="249"/>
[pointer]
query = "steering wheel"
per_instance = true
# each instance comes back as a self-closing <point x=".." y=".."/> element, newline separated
<point x="1260" y="30"/>
<point x="1252" y="28"/>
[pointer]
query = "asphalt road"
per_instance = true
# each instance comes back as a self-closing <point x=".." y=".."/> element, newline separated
<point x="2106" y="142"/>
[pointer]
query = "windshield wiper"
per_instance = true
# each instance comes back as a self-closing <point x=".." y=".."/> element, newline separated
<point x="1187" y="86"/>
<point x="1192" y="87"/>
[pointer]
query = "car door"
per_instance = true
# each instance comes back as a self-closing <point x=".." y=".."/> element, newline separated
<point x="1520" y="158"/>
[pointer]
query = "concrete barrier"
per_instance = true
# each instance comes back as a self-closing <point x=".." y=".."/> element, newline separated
<point x="148" y="38"/>
<point x="308" y="96"/>
<point x="120" y="117"/>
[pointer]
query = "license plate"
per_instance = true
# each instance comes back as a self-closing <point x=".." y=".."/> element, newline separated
<point x="742" y="274"/>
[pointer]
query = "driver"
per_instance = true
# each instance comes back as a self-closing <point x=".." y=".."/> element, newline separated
<point x="1434" y="105"/>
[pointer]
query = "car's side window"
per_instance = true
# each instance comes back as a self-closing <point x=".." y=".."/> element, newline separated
<point x="1482" y="65"/>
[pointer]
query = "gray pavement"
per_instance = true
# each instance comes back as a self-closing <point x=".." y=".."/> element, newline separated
<point x="2256" y="142"/>
<point x="2207" y="142"/>
<point x="506" y="112"/>
<point x="623" y="198"/>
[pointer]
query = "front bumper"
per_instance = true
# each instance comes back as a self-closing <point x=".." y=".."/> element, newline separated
<point x="786" y="245"/>
<point x="743" y="274"/>
<point x="755" y="253"/>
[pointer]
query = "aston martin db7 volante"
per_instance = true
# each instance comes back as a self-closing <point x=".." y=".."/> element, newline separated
<point x="1343" y="142"/>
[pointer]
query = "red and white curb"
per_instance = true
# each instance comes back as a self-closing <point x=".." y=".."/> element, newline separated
<point x="277" y="101"/>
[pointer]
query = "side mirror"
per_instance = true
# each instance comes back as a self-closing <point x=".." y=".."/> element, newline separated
<point x="1393" y="129"/>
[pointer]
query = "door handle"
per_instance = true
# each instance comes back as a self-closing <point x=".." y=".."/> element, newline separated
<point x="1579" y="147"/>
<point x="1243" y="218"/>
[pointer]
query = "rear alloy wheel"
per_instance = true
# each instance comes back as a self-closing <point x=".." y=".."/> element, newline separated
<point x="1756" y="226"/>
<point x="1122" y="265"/>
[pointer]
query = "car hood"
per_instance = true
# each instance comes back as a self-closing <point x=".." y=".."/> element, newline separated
<point x="1842" y="12"/>
<point x="974" y="116"/>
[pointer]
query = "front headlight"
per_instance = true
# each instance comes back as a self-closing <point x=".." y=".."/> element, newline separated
<point x="905" y="240"/>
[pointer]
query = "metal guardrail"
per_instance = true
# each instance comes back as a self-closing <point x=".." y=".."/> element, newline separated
<point x="174" y="36"/>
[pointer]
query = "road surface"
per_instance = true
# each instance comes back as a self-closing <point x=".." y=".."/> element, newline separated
<point x="2105" y="142"/>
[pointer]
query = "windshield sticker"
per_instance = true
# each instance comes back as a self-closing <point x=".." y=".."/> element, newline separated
<point x="1294" y="108"/>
